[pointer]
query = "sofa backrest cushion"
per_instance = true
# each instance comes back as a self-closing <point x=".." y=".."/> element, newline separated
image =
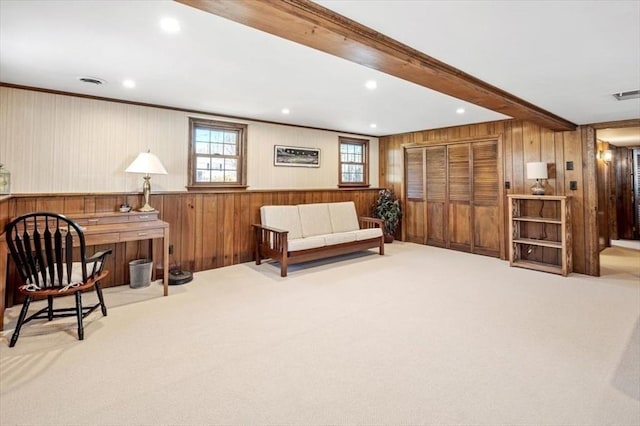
<point x="314" y="219"/>
<point x="286" y="218"/>
<point x="343" y="216"/>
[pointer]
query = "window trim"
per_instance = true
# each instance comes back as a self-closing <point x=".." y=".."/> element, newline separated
<point x="241" y="129"/>
<point x="365" y="151"/>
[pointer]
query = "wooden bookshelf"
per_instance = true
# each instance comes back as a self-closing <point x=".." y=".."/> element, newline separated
<point x="540" y="233"/>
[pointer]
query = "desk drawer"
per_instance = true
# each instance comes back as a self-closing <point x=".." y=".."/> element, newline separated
<point x="141" y="234"/>
<point x="104" y="238"/>
<point x="143" y="217"/>
<point x="101" y="220"/>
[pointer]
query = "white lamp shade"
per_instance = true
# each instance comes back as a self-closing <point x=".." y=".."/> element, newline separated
<point x="536" y="170"/>
<point x="147" y="163"/>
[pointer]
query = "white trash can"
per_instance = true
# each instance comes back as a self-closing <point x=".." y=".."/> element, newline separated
<point x="140" y="273"/>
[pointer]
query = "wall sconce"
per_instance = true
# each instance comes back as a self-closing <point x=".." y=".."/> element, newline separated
<point x="605" y="156"/>
<point x="537" y="171"/>
<point x="146" y="163"/>
<point x="5" y="180"/>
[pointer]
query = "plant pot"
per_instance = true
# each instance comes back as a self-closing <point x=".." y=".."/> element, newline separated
<point x="388" y="238"/>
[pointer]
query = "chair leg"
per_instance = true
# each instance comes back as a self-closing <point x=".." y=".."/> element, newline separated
<point x="103" y="307"/>
<point x="23" y="314"/>
<point x="79" y="315"/>
<point x="50" y="305"/>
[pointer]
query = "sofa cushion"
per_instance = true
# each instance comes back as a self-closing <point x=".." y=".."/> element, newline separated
<point x="339" y="237"/>
<point x="286" y="218"/>
<point x="365" y="234"/>
<point x="343" y="216"/>
<point x="306" y="243"/>
<point x="314" y="219"/>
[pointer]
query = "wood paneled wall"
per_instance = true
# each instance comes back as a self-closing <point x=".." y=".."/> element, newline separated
<point x="624" y="192"/>
<point x="58" y="143"/>
<point x="208" y="229"/>
<point x="523" y="142"/>
<point x="607" y="221"/>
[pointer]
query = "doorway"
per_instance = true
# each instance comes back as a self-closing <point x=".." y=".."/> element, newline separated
<point x="618" y="175"/>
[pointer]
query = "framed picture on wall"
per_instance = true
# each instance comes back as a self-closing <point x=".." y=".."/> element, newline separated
<point x="296" y="156"/>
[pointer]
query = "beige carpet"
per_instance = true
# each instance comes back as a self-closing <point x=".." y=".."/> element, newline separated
<point x="420" y="336"/>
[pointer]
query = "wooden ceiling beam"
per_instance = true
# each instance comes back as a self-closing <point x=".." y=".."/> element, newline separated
<point x="312" y="25"/>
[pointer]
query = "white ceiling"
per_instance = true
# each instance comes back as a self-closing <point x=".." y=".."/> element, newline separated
<point x="627" y="136"/>
<point x="567" y="57"/>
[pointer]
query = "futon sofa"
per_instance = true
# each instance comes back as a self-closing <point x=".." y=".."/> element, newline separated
<point x="300" y="233"/>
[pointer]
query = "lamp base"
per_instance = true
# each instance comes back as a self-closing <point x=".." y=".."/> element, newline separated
<point x="146" y="208"/>
<point x="537" y="189"/>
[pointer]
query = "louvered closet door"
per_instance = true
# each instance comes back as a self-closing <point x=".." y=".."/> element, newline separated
<point x="414" y="209"/>
<point x="459" y="191"/>
<point x="436" y="195"/>
<point x="453" y="197"/>
<point x="486" y="199"/>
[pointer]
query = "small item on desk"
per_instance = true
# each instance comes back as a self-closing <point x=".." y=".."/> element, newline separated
<point x="125" y="208"/>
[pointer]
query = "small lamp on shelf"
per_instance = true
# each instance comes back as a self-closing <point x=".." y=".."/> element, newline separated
<point x="537" y="171"/>
<point x="147" y="164"/>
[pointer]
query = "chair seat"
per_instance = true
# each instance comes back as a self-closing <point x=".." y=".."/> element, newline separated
<point x="65" y="284"/>
<point x="61" y="290"/>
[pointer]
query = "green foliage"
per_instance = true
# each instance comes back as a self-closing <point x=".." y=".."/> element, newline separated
<point x="387" y="208"/>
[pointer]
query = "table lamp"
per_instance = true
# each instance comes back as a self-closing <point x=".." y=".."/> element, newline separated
<point x="537" y="171"/>
<point x="147" y="164"/>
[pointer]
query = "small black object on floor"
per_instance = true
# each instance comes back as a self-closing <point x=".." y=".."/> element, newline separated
<point x="178" y="277"/>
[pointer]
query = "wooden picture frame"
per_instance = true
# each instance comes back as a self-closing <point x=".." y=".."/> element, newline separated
<point x="296" y="156"/>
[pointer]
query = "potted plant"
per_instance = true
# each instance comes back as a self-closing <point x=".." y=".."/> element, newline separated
<point x="387" y="208"/>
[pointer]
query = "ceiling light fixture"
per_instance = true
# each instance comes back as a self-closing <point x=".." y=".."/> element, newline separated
<point x="373" y="125"/>
<point x="170" y="25"/>
<point x="128" y="83"/>
<point x="92" y="80"/>
<point x="623" y="96"/>
<point x="285" y="111"/>
<point x="460" y="111"/>
<point x="371" y="85"/>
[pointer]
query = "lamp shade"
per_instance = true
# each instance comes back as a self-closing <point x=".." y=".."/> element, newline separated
<point x="536" y="170"/>
<point x="147" y="163"/>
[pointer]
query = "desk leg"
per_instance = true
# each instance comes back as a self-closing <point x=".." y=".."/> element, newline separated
<point x="165" y="259"/>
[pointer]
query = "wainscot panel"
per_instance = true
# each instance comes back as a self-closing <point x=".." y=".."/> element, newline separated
<point x="208" y="229"/>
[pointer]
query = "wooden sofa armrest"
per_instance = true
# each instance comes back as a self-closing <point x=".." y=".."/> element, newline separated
<point x="371" y="222"/>
<point x="271" y="243"/>
<point x="258" y="226"/>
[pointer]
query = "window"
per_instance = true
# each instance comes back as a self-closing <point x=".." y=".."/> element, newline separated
<point x="217" y="154"/>
<point x="354" y="162"/>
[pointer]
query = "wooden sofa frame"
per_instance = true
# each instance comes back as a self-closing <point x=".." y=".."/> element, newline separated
<point x="273" y="243"/>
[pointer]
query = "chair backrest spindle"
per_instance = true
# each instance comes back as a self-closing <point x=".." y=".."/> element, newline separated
<point x="42" y="245"/>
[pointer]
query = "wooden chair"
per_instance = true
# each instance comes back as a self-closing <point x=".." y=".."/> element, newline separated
<point x="50" y="255"/>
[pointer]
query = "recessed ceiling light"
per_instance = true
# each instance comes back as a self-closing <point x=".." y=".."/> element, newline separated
<point x="128" y="83"/>
<point x="170" y="25"/>
<point x="373" y="125"/>
<point x="460" y="110"/>
<point x="285" y="111"/>
<point x="92" y="80"/>
<point x="371" y="84"/>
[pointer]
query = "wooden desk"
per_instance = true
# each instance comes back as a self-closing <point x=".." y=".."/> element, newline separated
<point x="106" y="228"/>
